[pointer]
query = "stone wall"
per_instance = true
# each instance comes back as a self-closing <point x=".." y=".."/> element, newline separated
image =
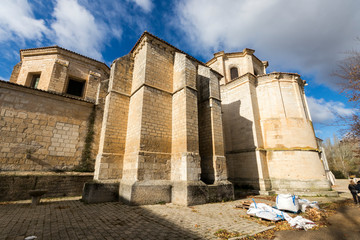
<point x="41" y="131"/>
<point x="287" y="130"/>
<point x="109" y="163"/>
<point x="16" y="185"/>
<point x="148" y="141"/>
<point x="269" y="138"/>
<point x="240" y="131"/>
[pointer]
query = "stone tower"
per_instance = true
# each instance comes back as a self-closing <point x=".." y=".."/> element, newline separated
<point x="162" y="135"/>
<point x="270" y="142"/>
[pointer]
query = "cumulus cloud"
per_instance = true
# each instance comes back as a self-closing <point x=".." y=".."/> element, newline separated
<point x="76" y="28"/>
<point x="146" y="5"/>
<point x="326" y="112"/>
<point x="17" y="21"/>
<point x="306" y="36"/>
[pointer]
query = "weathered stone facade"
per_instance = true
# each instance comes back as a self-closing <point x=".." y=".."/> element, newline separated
<point x="40" y="131"/>
<point x="269" y="138"/>
<point x="162" y="127"/>
<point x="160" y="116"/>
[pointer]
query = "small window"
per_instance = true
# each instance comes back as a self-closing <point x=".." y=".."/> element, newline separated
<point x="234" y="73"/>
<point x="75" y="87"/>
<point x="35" y="81"/>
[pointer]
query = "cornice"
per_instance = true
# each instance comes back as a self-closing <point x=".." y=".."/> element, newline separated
<point x="62" y="51"/>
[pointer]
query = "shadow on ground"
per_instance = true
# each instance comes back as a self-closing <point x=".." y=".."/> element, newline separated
<point x="114" y="220"/>
<point x="76" y="220"/>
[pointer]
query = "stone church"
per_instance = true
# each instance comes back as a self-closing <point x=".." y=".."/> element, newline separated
<point x="160" y="125"/>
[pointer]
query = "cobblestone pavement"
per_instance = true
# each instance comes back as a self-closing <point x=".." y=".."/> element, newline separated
<point x="76" y="220"/>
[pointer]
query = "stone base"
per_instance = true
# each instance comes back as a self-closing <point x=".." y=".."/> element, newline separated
<point x="145" y="192"/>
<point x="311" y="193"/>
<point x="296" y="185"/>
<point x="189" y="193"/>
<point x="96" y="192"/>
<point x="184" y="193"/>
<point x="221" y="191"/>
<point x="267" y="193"/>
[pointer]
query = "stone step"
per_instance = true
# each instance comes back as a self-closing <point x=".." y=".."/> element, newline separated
<point x="310" y="193"/>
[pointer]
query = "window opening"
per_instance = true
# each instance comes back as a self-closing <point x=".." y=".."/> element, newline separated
<point x="35" y="81"/>
<point x="75" y="87"/>
<point x="234" y="73"/>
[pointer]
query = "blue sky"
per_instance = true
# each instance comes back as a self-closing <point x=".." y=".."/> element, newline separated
<point x="308" y="37"/>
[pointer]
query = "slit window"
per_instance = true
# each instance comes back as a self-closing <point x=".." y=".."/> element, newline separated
<point x="35" y="81"/>
<point x="234" y="73"/>
<point x="75" y="87"/>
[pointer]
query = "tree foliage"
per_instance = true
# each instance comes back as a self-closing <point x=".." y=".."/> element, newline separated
<point x="349" y="72"/>
<point x="342" y="156"/>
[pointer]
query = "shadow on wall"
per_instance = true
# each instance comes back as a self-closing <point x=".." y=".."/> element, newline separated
<point x="206" y="143"/>
<point x="15" y="186"/>
<point x="38" y="161"/>
<point x="240" y="146"/>
<point x="206" y="130"/>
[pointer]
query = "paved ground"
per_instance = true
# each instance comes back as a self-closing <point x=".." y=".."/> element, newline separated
<point x="73" y="219"/>
<point x="76" y="220"/>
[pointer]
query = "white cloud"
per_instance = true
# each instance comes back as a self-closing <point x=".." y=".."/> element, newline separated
<point x="306" y="36"/>
<point x="4" y="78"/>
<point x="146" y="5"/>
<point x="76" y="28"/>
<point x="326" y="112"/>
<point x="17" y="21"/>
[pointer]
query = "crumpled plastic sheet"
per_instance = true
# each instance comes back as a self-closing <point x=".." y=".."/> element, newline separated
<point x="264" y="211"/>
<point x="304" y="203"/>
<point x="302" y="223"/>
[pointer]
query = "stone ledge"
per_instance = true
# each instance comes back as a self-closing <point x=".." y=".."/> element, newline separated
<point x="43" y="173"/>
<point x="310" y="193"/>
<point x="15" y="186"/>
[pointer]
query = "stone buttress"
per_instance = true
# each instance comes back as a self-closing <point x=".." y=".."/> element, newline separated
<point x="152" y="130"/>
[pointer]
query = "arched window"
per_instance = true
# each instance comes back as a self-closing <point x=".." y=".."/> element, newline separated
<point x="234" y="73"/>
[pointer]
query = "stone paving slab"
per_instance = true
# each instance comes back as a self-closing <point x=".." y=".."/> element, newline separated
<point x="76" y="220"/>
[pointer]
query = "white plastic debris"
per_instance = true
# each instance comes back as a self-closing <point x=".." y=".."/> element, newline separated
<point x="302" y="223"/>
<point x="264" y="211"/>
<point x="287" y="202"/>
<point x="304" y="203"/>
<point x="30" y="238"/>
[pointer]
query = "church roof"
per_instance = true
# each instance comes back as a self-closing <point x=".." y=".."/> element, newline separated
<point x="64" y="49"/>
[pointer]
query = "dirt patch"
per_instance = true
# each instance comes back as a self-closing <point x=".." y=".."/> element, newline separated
<point x="334" y="219"/>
